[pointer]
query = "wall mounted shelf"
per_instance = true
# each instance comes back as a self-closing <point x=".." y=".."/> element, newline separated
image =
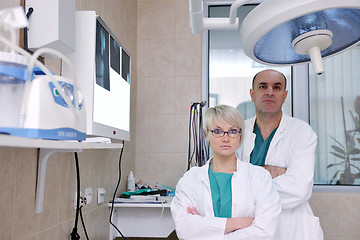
<point x="47" y="148"/>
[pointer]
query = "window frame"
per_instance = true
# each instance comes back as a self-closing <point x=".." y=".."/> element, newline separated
<point x="300" y="98"/>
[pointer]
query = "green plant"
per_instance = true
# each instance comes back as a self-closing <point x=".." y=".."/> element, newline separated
<point x="348" y="152"/>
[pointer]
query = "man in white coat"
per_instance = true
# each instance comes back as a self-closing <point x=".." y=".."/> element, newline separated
<point x="285" y="146"/>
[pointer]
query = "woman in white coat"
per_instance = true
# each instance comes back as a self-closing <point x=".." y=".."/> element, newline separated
<point x="226" y="198"/>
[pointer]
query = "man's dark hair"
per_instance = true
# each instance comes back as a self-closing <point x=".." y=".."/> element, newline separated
<point x="260" y="72"/>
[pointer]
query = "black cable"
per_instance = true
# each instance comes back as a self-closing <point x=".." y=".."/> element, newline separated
<point x="117" y="186"/>
<point x="83" y="224"/>
<point x="201" y="140"/>
<point x="198" y="155"/>
<point x="28" y="14"/>
<point x="192" y="129"/>
<point x="74" y="234"/>
<point x="189" y="146"/>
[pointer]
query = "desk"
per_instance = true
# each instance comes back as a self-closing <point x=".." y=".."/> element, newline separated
<point x="141" y="220"/>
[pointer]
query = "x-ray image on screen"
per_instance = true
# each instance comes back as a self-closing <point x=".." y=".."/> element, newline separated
<point x="102" y="57"/>
<point x="114" y="55"/>
<point x="125" y="66"/>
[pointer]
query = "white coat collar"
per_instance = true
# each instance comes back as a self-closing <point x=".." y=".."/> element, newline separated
<point x="249" y="140"/>
<point x="205" y="169"/>
<point x="281" y="128"/>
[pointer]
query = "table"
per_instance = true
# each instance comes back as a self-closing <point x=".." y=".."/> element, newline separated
<point x="141" y="220"/>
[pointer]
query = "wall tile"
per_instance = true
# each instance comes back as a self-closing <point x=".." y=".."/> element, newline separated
<point x="329" y="220"/>
<point x="180" y="160"/>
<point x="142" y="98"/>
<point x="96" y="163"/>
<point x="7" y="180"/>
<point x="32" y="237"/>
<point x="181" y="133"/>
<point x="188" y="57"/>
<point x="78" y="4"/>
<point x="188" y="91"/>
<point x="50" y="233"/>
<point x="103" y="225"/>
<point x="143" y="19"/>
<point x="99" y="7"/>
<point x="162" y="57"/>
<point x="91" y="220"/>
<point x="65" y="228"/>
<point x="105" y="177"/>
<point x="162" y="19"/>
<point x="87" y="5"/>
<point x="161" y="133"/>
<point x="349" y="215"/>
<point x="161" y="167"/>
<point x="130" y="29"/>
<point x="9" y="4"/>
<point x="142" y="167"/>
<point x="67" y="187"/>
<point x="182" y="20"/>
<point x="142" y="134"/>
<point x="143" y="58"/>
<point x="119" y="21"/>
<point x="161" y="93"/>
<point x="24" y="201"/>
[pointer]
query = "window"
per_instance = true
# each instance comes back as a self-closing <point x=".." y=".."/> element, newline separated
<point x="231" y="71"/>
<point x="330" y="102"/>
<point x="334" y="114"/>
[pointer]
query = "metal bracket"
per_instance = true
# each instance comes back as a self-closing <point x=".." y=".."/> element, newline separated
<point x="44" y="154"/>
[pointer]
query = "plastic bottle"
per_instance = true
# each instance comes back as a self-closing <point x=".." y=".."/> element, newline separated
<point x="131" y="182"/>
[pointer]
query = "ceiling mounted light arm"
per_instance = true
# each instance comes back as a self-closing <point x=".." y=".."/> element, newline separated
<point x="198" y="23"/>
<point x="233" y="10"/>
<point x="292" y="32"/>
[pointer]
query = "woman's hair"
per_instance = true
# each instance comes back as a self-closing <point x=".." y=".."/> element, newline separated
<point x="223" y="112"/>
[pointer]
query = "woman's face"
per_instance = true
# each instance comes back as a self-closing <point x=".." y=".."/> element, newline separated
<point x="223" y="145"/>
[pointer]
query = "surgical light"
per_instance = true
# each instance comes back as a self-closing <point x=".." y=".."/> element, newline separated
<point x="289" y="32"/>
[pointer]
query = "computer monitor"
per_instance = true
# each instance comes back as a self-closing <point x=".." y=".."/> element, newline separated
<point x="103" y="69"/>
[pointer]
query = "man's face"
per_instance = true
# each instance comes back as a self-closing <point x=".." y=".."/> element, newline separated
<point x="268" y="92"/>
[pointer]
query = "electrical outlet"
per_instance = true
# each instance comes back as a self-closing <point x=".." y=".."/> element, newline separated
<point x="82" y="200"/>
<point x="88" y="195"/>
<point x="101" y="195"/>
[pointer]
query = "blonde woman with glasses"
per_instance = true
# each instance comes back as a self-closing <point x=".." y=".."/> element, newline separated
<point x="226" y="198"/>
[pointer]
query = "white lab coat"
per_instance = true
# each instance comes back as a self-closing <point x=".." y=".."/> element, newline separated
<point x="253" y="195"/>
<point x="292" y="147"/>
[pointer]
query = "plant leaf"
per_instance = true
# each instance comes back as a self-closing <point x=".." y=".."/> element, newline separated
<point x="339" y="150"/>
<point x="355" y="167"/>
<point x="337" y="142"/>
<point x="355" y="159"/>
<point x="357" y="175"/>
<point x="351" y="144"/>
<point x="347" y="136"/>
<point x="354" y="151"/>
<point x="334" y="164"/>
<point x="333" y="178"/>
<point x="338" y="155"/>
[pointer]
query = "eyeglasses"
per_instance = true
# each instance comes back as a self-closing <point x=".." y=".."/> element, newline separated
<point x="233" y="133"/>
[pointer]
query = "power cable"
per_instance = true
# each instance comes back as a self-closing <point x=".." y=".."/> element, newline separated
<point x="116" y="189"/>
<point x="28" y="14"/>
<point x="74" y="234"/>
<point x="83" y="224"/>
<point x="198" y="154"/>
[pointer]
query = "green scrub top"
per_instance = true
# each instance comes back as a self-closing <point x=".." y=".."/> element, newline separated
<point x="261" y="147"/>
<point x="220" y="185"/>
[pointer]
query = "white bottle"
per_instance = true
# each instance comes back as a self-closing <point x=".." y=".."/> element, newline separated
<point x="131" y="182"/>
